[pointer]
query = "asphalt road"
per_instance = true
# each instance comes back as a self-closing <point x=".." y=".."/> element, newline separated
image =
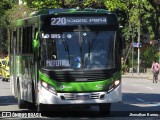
<point x="141" y="97"/>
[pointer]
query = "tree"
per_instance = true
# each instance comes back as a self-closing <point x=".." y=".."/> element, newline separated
<point x="128" y="12"/>
<point x="4" y="6"/>
<point x="9" y="11"/>
<point x="41" y="4"/>
<point x="153" y="15"/>
<point x="150" y="54"/>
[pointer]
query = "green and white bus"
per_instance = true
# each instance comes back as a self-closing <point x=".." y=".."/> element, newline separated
<point x="66" y="57"/>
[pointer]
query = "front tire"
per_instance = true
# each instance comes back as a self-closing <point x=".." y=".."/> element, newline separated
<point x="41" y="108"/>
<point x="32" y="105"/>
<point x="105" y="108"/>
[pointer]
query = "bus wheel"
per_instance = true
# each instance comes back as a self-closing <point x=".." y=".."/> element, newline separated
<point x="32" y="105"/>
<point x="21" y="103"/>
<point x="40" y="108"/>
<point x="105" y="108"/>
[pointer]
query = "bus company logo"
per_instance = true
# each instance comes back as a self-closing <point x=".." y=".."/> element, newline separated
<point x="84" y="34"/>
<point x="100" y="86"/>
<point x="45" y="35"/>
<point x="61" y="87"/>
<point x="69" y="36"/>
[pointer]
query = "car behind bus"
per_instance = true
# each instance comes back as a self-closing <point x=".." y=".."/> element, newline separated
<point x="5" y="70"/>
<point x="2" y="64"/>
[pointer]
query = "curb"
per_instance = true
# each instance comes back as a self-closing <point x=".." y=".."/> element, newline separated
<point x="124" y="76"/>
<point x="138" y="77"/>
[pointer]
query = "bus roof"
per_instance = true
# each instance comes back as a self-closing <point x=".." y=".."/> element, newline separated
<point x="34" y="18"/>
<point x="69" y="11"/>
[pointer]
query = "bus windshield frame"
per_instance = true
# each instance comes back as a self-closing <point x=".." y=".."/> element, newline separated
<point x="84" y="50"/>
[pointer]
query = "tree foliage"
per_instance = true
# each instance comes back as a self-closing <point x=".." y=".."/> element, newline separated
<point x="40" y="4"/>
<point x="12" y="14"/>
<point x="128" y="12"/>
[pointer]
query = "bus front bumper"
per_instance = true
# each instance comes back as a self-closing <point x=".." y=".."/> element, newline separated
<point x="47" y="97"/>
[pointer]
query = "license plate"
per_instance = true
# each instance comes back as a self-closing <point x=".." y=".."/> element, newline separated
<point x="82" y="97"/>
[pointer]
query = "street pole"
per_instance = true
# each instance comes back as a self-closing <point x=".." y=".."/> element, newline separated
<point x="138" y="47"/>
<point x="159" y="49"/>
<point x="132" y="54"/>
<point x="138" y="69"/>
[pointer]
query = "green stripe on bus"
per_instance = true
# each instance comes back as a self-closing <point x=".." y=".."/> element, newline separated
<point x="99" y="85"/>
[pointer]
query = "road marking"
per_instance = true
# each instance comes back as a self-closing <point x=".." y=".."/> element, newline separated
<point x="140" y="100"/>
<point x="147" y="105"/>
<point x="141" y="85"/>
<point x="149" y="87"/>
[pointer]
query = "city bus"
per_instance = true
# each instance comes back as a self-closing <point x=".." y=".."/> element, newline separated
<point x="66" y="57"/>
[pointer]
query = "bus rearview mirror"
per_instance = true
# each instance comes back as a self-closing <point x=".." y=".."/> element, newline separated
<point x="35" y="43"/>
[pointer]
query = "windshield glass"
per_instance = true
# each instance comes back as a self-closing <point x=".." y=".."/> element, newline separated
<point x="78" y="50"/>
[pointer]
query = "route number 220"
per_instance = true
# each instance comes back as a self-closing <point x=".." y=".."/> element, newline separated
<point x="58" y="21"/>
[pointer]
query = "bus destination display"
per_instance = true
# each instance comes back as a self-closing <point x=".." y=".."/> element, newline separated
<point x="78" y="20"/>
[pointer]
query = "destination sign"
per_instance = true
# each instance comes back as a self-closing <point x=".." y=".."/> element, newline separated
<point x="62" y="21"/>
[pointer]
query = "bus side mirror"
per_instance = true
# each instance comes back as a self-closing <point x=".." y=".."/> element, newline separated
<point x="36" y="44"/>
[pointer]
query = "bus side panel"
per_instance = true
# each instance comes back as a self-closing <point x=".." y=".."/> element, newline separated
<point x="24" y="76"/>
<point x="13" y="64"/>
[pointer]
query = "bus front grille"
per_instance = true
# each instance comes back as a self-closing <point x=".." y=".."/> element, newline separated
<point x="87" y="96"/>
<point x="81" y="75"/>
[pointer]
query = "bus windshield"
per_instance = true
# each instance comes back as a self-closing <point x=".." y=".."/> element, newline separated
<point x="78" y="50"/>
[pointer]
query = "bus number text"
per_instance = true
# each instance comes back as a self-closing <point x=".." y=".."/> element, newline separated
<point x="58" y="21"/>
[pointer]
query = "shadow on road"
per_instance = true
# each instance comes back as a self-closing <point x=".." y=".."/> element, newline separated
<point x="148" y="97"/>
<point x="137" y="103"/>
<point x="7" y="100"/>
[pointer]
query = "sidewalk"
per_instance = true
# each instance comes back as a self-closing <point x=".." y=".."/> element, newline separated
<point x="148" y="76"/>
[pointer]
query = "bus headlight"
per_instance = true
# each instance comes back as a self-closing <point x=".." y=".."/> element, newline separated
<point x="49" y="87"/>
<point x="117" y="82"/>
<point x="44" y="84"/>
<point x="52" y="89"/>
<point x="113" y="85"/>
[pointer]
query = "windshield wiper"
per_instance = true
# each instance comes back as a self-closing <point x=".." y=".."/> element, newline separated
<point x="65" y="44"/>
<point x="91" y="43"/>
<point x="94" y="39"/>
<point x="66" y="47"/>
<point x="88" y="43"/>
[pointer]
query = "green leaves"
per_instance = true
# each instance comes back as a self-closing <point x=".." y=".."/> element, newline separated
<point x="128" y="12"/>
<point x="40" y="4"/>
<point x="116" y="4"/>
<point x="17" y="12"/>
